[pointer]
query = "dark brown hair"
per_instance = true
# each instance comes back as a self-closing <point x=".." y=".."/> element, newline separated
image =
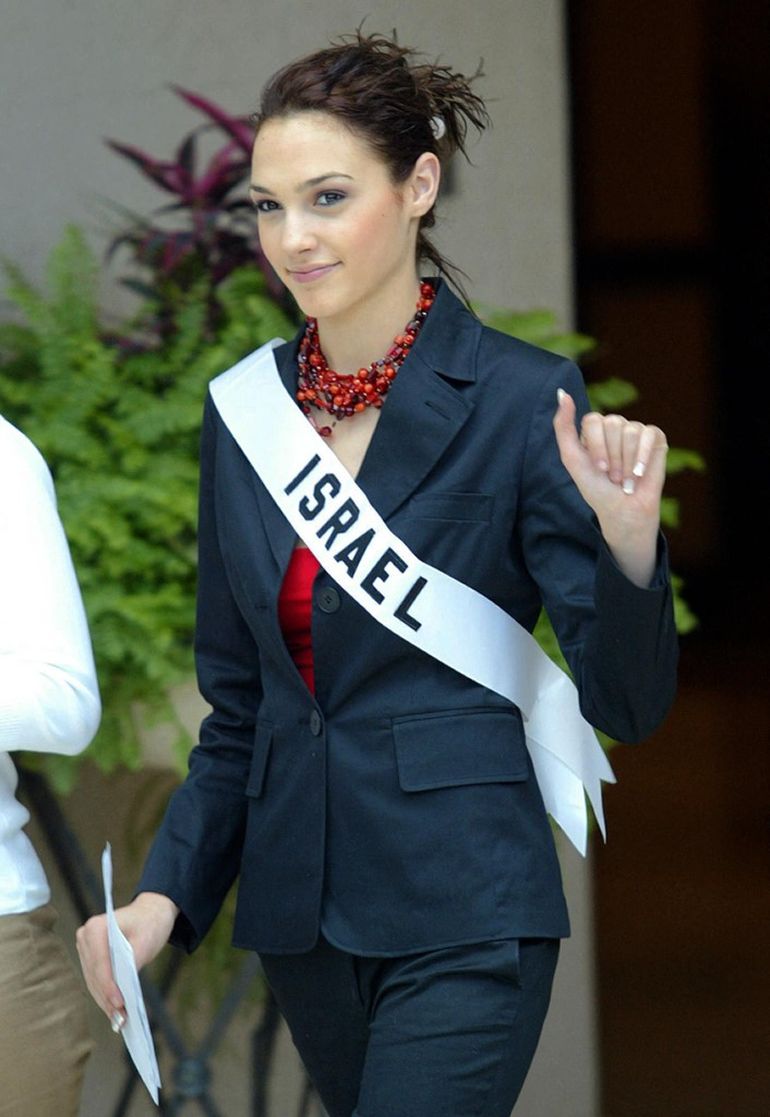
<point x="381" y="91"/>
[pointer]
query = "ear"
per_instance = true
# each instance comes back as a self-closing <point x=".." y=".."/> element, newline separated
<point x="422" y="185"/>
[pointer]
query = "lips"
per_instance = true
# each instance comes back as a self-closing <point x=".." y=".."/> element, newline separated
<point x="310" y="274"/>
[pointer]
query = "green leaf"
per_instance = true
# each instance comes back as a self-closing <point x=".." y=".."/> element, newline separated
<point x="669" y="511"/>
<point x="120" y="429"/>
<point x="684" y="617"/>
<point x="537" y="327"/>
<point x="611" y="395"/>
<point x="679" y="460"/>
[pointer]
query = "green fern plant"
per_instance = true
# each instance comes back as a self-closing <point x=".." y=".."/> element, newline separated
<point x="119" y="430"/>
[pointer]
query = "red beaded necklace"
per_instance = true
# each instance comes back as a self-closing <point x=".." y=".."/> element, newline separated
<point x="341" y="395"/>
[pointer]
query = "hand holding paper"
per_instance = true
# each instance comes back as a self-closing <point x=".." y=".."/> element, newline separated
<point x="136" y="1029"/>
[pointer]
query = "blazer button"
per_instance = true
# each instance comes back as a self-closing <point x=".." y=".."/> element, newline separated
<point x="316" y="725"/>
<point x="328" y="600"/>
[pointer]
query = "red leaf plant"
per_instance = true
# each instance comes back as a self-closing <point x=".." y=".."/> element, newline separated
<point x="212" y="228"/>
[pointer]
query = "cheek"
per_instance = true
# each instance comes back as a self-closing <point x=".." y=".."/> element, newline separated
<point x="380" y="227"/>
<point x="268" y="239"/>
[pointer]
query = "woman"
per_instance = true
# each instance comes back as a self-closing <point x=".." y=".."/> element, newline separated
<point x="49" y="702"/>
<point x="397" y="869"/>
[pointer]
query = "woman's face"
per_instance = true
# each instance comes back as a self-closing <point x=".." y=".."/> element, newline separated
<point x="333" y="225"/>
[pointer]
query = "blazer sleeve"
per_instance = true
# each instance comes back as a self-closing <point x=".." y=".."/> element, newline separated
<point x="619" y="639"/>
<point x="196" y="854"/>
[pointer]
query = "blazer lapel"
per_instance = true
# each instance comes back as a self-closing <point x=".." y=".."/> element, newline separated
<point x="419" y="419"/>
<point x="426" y="407"/>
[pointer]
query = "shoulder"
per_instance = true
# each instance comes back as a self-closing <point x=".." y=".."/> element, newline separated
<point x="22" y="464"/>
<point x="243" y="378"/>
<point x="235" y="387"/>
<point x="465" y="348"/>
<point x="525" y="375"/>
<point x="497" y="348"/>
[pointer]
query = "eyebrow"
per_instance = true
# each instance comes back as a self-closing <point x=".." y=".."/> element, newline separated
<point x="309" y="182"/>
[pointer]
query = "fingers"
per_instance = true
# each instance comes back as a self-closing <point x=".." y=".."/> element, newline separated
<point x="608" y="442"/>
<point x="94" y="953"/>
<point x="621" y="448"/>
<point x="565" y="430"/>
<point x="651" y="442"/>
<point x="147" y="923"/>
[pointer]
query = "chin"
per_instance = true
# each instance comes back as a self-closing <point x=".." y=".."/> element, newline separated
<point x="320" y="304"/>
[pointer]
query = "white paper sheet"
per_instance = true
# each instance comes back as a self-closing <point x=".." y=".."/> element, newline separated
<point x="136" y="1030"/>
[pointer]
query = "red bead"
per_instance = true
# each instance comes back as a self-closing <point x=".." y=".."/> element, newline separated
<point x="341" y="394"/>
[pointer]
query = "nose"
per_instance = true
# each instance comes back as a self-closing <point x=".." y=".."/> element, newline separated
<point x="297" y="234"/>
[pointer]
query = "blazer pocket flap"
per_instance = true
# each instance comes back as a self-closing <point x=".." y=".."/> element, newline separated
<point x="263" y="736"/>
<point x="468" y="507"/>
<point x="449" y="750"/>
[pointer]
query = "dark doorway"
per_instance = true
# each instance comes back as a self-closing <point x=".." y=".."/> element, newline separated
<point x="671" y="135"/>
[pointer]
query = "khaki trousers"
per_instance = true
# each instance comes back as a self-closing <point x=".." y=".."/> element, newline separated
<point x="44" y="1037"/>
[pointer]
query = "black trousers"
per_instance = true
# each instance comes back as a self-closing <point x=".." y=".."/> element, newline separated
<point x="448" y="1032"/>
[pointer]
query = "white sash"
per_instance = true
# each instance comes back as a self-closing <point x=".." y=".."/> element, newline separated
<point x="438" y="614"/>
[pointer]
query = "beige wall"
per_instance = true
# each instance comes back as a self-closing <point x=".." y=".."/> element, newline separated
<point x="79" y="70"/>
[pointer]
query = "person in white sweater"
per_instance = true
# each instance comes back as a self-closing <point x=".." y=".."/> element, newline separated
<point x="49" y="702"/>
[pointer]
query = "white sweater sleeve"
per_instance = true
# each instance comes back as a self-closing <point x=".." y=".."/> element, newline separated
<point x="49" y="698"/>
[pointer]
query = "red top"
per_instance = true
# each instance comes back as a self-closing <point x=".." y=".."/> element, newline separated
<point x="294" y="610"/>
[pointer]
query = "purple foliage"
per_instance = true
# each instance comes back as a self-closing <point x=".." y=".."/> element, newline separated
<point x="214" y="228"/>
<point x="238" y="127"/>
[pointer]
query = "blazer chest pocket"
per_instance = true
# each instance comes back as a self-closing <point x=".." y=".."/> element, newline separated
<point x="474" y="508"/>
<point x="465" y="747"/>
<point x="263" y="736"/>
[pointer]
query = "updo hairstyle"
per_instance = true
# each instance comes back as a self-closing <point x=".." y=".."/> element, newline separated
<point x="379" y="90"/>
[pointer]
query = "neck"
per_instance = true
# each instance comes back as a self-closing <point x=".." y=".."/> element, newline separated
<point x="367" y="330"/>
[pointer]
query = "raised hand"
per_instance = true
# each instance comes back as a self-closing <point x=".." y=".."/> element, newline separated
<point x="619" y="467"/>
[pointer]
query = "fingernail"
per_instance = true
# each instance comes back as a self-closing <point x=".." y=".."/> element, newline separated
<point x="560" y="394"/>
<point x="639" y="469"/>
<point x="603" y="465"/>
<point x="629" y="485"/>
<point x="117" y="1020"/>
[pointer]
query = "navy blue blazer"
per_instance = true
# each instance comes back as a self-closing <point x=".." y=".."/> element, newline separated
<point x="397" y="808"/>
